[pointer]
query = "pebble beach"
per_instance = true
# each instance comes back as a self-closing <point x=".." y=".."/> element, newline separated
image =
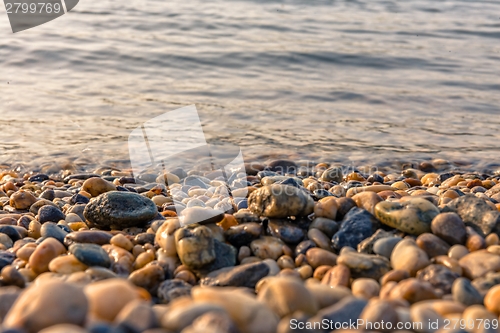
<point x="310" y="247"/>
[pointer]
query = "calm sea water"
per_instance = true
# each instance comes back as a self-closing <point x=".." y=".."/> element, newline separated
<point x="366" y="80"/>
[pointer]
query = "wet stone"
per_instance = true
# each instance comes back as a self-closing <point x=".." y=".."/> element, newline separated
<point x="413" y="216"/>
<point x="464" y="292"/>
<point x="90" y="255"/>
<point x="280" y="201"/>
<point x="240" y="276"/>
<point x="476" y="213"/>
<point x="118" y="210"/>
<point x="50" y="213"/>
<point x="195" y="246"/>
<point x="285" y="231"/>
<point x="439" y="277"/>
<point x="384" y="246"/>
<point x="172" y="289"/>
<point x="356" y="226"/>
<point x="243" y="234"/>
<point x="50" y="229"/>
<point x="364" y="265"/>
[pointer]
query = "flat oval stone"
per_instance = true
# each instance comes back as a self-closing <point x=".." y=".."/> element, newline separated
<point x="384" y="246"/>
<point x="413" y="216"/>
<point x="280" y="201"/>
<point x="50" y="229"/>
<point x="98" y="237"/>
<point x="240" y="276"/>
<point x="90" y="255"/>
<point x="118" y="210"/>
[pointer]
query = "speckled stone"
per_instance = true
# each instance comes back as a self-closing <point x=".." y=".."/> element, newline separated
<point x="476" y="213"/>
<point x="280" y="201"/>
<point x="413" y="216"/>
<point x="438" y="276"/>
<point x="118" y="210"/>
<point x="357" y="225"/>
<point x="169" y="290"/>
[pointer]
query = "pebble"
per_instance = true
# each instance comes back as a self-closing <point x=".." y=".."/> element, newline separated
<point x="492" y="300"/>
<point x="285" y="295"/>
<point x="476" y="213"/>
<point x="409" y="257"/>
<point x="148" y="277"/>
<point x="432" y="245"/>
<point x="379" y="311"/>
<point x="319" y="238"/>
<point x="90" y="254"/>
<point x="47" y="250"/>
<point x="339" y="275"/>
<point x="98" y="237"/>
<point x="478" y="264"/>
<point x="250" y="315"/>
<point x="413" y="290"/>
<point x="11" y="231"/>
<point x="267" y="247"/>
<point x="66" y="265"/>
<point x="183" y="315"/>
<point x="385" y="246"/>
<point x="440" y="277"/>
<point x="118" y="210"/>
<point x="170" y="290"/>
<point x="280" y="201"/>
<point x="326" y="208"/>
<point x="212" y="321"/>
<point x="285" y="231"/>
<point x="357" y="225"/>
<point x="108" y="297"/>
<point x="137" y="316"/>
<point x="195" y="246"/>
<point x="52" y="230"/>
<point x="327" y="226"/>
<point x="318" y="257"/>
<point x="347" y="310"/>
<point x="50" y="213"/>
<point x="22" y="200"/>
<point x="364" y="265"/>
<point x="240" y="276"/>
<point x="333" y="174"/>
<point x="465" y="293"/>
<point x="365" y="288"/>
<point x="46" y="304"/>
<point x="457" y="252"/>
<point x="449" y="227"/>
<point x="367" y="200"/>
<point x="413" y="216"/>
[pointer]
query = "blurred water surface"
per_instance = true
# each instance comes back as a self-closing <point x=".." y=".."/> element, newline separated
<point x="346" y="80"/>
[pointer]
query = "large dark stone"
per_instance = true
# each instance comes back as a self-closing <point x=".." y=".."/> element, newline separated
<point x="119" y="210"/>
<point x="475" y="213"/>
<point x="357" y="225"/>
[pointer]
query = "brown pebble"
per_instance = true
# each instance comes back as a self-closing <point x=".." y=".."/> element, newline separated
<point x="22" y="200"/>
<point x="394" y="275"/>
<point x="122" y="241"/>
<point x="318" y="257"/>
<point x="457" y="252"/>
<point x="320" y="272"/>
<point x="96" y="186"/>
<point x="187" y="276"/>
<point x="449" y="227"/>
<point x="492" y="239"/>
<point x="11" y="276"/>
<point x="44" y="253"/>
<point x="432" y="245"/>
<point x="305" y="271"/>
<point x="286" y="262"/>
<point x="413" y="290"/>
<point x="492" y="300"/>
<point x="339" y="275"/>
<point x="365" y="288"/>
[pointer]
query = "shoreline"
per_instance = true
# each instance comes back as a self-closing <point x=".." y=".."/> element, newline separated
<point x="275" y="243"/>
